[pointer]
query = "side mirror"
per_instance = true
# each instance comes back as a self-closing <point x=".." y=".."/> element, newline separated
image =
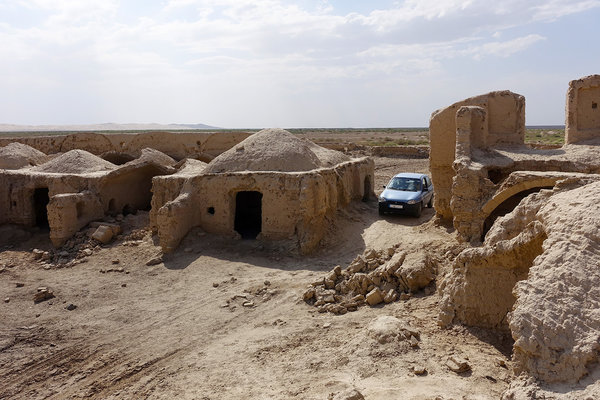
<point x="384" y="186"/>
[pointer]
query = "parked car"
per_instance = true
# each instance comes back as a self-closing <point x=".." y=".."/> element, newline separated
<point x="406" y="193"/>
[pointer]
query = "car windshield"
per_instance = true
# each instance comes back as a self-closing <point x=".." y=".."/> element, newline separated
<point x="405" y="184"/>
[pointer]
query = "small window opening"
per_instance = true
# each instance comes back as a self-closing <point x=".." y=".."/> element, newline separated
<point x="248" y="214"/>
<point x="594" y="105"/>
<point x="41" y="199"/>
<point x="14" y="203"/>
<point x="496" y="175"/>
<point x="210" y="210"/>
<point x="79" y="207"/>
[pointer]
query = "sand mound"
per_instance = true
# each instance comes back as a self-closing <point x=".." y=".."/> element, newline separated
<point x="275" y="150"/>
<point x="18" y="155"/>
<point x="75" y="162"/>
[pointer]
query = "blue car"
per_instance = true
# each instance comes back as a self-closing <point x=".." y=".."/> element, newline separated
<point x="406" y="193"/>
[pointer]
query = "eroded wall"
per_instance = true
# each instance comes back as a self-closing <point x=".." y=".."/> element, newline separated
<point x="294" y="205"/>
<point x="583" y="110"/>
<point x="175" y="144"/>
<point x="504" y="124"/>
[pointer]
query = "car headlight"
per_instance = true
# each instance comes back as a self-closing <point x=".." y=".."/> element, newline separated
<point x="412" y="202"/>
<point x="382" y="199"/>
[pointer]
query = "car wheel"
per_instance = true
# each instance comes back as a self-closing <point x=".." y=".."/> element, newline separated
<point x="430" y="204"/>
<point x="418" y="210"/>
<point x="381" y="211"/>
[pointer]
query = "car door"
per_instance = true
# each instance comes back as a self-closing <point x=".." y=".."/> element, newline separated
<point x="427" y="184"/>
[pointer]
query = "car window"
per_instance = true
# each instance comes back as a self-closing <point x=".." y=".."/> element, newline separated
<point x="405" y="184"/>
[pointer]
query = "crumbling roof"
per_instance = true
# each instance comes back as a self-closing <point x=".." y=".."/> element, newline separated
<point x="190" y="167"/>
<point x="17" y="155"/>
<point x="155" y="157"/>
<point x="75" y="162"/>
<point x="275" y="150"/>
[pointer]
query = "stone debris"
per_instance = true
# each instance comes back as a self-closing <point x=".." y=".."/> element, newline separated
<point x="373" y="278"/>
<point x="103" y="234"/>
<point x="374" y="297"/>
<point x="71" y="307"/>
<point x="350" y="394"/>
<point x="419" y="370"/>
<point x="154" y="261"/>
<point x="457" y="365"/>
<point x="43" y="293"/>
<point x="118" y="269"/>
<point x="37" y="254"/>
<point x="387" y="329"/>
<point x="6" y="300"/>
<point x="19" y="284"/>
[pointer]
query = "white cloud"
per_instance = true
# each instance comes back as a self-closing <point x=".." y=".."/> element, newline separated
<point x="508" y="48"/>
<point x="227" y="46"/>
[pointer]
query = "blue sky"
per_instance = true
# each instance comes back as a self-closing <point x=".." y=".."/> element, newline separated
<point x="277" y="63"/>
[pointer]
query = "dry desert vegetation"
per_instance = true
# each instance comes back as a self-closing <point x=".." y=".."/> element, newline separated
<point x="232" y="266"/>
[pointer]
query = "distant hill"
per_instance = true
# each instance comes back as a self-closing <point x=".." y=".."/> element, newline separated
<point x="102" y="127"/>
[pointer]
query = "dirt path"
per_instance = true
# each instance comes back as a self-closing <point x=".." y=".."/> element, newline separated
<point x="180" y="329"/>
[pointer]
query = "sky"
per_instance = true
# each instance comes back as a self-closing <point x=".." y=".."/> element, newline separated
<point x="284" y="63"/>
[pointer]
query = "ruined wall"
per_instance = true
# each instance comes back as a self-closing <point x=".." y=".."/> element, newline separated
<point x="537" y="276"/>
<point x="583" y="110"/>
<point x="294" y="205"/>
<point x="176" y="144"/>
<point x="69" y="212"/>
<point x="18" y="191"/>
<point x="505" y="124"/>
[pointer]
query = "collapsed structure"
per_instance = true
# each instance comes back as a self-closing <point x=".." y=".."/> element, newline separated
<point x="270" y="186"/>
<point x="532" y="217"/>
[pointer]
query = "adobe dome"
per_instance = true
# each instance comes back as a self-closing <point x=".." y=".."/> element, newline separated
<point x="275" y="150"/>
<point x="75" y="162"/>
<point x="17" y="155"/>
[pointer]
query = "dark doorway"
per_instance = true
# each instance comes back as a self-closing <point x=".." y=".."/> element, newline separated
<point x="248" y="214"/>
<point x="367" y="189"/>
<point x="41" y="199"/>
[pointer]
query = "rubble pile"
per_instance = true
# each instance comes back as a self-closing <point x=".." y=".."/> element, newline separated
<point x="372" y="278"/>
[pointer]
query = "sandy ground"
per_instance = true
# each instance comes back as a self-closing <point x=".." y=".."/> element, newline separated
<point x="179" y="329"/>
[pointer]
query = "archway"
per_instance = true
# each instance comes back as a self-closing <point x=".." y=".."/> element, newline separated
<point x="507" y="206"/>
<point x="248" y="214"/>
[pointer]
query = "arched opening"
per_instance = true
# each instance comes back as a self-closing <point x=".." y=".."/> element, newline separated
<point x="507" y="206"/>
<point x="117" y="158"/>
<point x="41" y="199"/>
<point x="248" y="214"/>
<point x="367" y="189"/>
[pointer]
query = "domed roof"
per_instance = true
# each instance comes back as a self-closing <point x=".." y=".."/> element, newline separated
<point x="18" y="155"/>
<point x="275" y="150"/>
<point x="75" y="162"/>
